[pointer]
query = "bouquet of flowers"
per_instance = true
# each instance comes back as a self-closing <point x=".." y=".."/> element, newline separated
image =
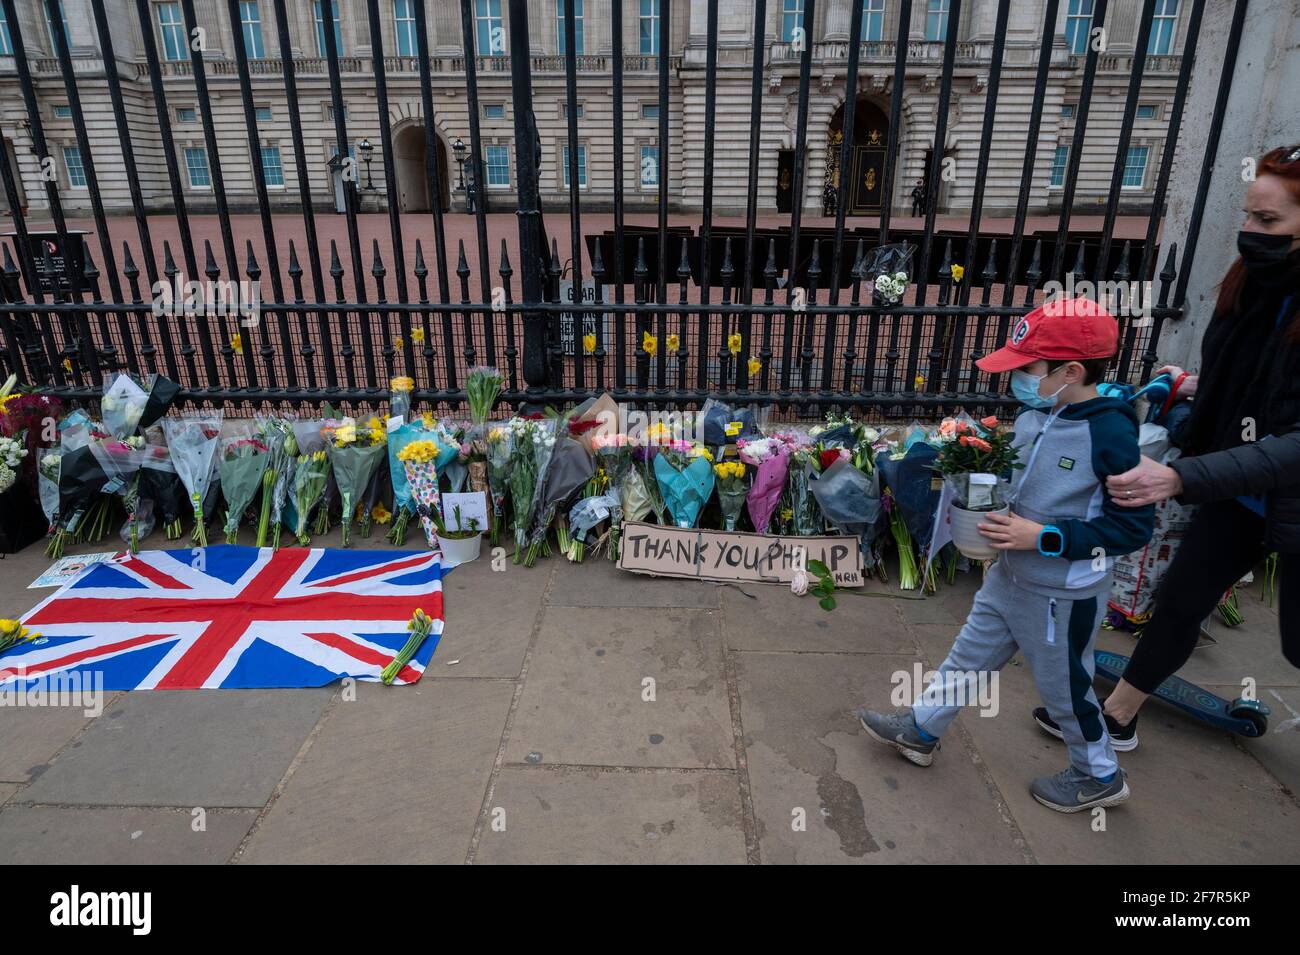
<point x="310" y="474"/>
<point x="121" y="460"/>
<point x="355" y="453"/>
<point x="23" y="417"/>
<point x="12" y="452"/>
<point x="532" y="441"/>
<point x="81" y="478"/>
<point x="420" y="461"/>
<point x="569" y="470"/>
<point x="418" y="429"/>
<point x="888" y="271"/>
<point x="642" y="484"/>
<point x="804" y="461"/>
<point x="732" y="489"/>
<point x="770" y="459"/>
<point x="12" y="633"/>
<point x="242" y="463"/>
<point x="685" y="475"/>
<point x="420" y="626"/>
<point x="850" y="499"/>
<point x="614" y="453"/>
<point x="482" y="388"/>
<point x="192" y="440"/>
<point x="47" y="483"/>
<point x="123" y="404"/>
<point x="277" y="434"/>
<point x="162" y="489"/>
<point x="498" y="474"/>
<point x="974" y="458"/>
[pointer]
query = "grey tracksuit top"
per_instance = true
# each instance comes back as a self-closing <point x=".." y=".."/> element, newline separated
<point x="1068" y="454"/>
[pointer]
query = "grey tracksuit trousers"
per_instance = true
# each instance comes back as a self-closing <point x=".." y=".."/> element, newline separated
<point x="1056" y="636"/>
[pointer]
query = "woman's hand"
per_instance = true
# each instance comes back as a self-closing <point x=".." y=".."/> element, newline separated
<point x="1145" y="484"/>
<point x="1187" y="388"/>
<point x="1010" y="532"/>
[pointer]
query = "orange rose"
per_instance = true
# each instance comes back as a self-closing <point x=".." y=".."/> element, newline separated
<point x="962" y="427"/>
<point x="990" y="422"/>
<point x="979" y="444"/>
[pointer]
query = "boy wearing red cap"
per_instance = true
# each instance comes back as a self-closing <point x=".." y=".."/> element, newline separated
<point x="1045" y="595"/>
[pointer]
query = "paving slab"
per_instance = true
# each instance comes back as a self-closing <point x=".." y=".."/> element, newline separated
<point x="1186" y="778"/>
<point x="599" y="583"/>
<point x="1278" y="750"/>
<point x="583" y="698"/>
<point x="6" y="791"/>
<point x="560" y="816"/>
<point x="30" y="736"/>
<point x="53" y="835"/>
<point x="490" y="618"/>
<point x="1251" y="650"/>
<point x="395" y="776"/>
<point x="858" y="801"/>
<point x="770" y="617"/>
<point x="184" y="748"/>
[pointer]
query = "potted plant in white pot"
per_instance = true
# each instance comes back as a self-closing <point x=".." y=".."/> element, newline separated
<point x="975" y="461"/>
<point x="460" y="544"/>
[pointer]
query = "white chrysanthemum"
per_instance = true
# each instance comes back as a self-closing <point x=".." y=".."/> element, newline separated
<point x="7" y="478"/>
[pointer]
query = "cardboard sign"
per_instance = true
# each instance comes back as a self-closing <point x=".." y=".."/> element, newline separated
<point x="666" y="551"/>
<point x="473" y="507"/>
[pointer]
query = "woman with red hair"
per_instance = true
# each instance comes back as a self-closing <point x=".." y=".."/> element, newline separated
<point x="1241" y="447"/>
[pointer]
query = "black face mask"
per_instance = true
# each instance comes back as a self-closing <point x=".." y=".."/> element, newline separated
<point x="1262" y="250"/>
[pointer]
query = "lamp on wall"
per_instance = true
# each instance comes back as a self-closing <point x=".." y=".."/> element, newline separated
<point x="458" y="150"/>
<point x="367" y="150"/>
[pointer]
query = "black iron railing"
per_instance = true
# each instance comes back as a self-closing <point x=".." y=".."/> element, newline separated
<point x="668" y="299"/>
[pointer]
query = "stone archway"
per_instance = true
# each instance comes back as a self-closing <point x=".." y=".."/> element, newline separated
<point x="865" y="177"/>
<point x="411" y="170"/>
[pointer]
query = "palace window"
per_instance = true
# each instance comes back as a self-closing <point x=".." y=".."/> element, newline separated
<point x="1078" y="23"/>
<point x="250" y="23"/>
<point x="49" y="26"/>
<point x="171" y="30"/>
<point x="649" y="166"/>
<point x="1164" y="24"/>
<point x="494" y="110"/>
<point x="1060" y="159"/>
<point x="491" y="35"/>
<point x="791" y="19"/>
<point x="582" y="166"/>
<point x="404" y="15"/>
<point x="320" y="29"/>
<point x="873" y="20"/>
<point x="196" y="165"/>
<point x="6" y="41"/>
<point x="272" y="168"/>
<point x="76" y="170"/>
<point x="262" y="114"/>
<point x="648" y="27"/>
<point x="1135" y="167"/>
<point x="1148" y="111"/>
<point x="936" y="20"/>
<point x="497" y="161"/>
<point x="561" y="7"/>
<point x="63" y="112"/>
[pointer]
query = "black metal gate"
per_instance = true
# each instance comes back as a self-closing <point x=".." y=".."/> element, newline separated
<point x="773" y="316"/>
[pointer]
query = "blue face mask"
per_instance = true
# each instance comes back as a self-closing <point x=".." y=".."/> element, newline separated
<point x="1024" y="386"/>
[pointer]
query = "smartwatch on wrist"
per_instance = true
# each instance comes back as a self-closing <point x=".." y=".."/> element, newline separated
<point x="1051" y="542"/>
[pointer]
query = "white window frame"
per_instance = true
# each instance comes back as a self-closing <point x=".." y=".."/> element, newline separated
<point x="583" y="177"/>
<point x="279" y="162"/>
<point x="488" y="106"/>
<point x="651" y="18"/>
<point x="489" y="28"/>
<point x="873" y="21"/>
<point x="1064" y="166"/>
<point x="189" y="170"/>
<point x="49" y="27"/>
<point x="487" y="165"/>
<point x="791" y="19"/>
<point x="6" y="39"/>
<point x="81" y="167"/>
<point x="404" y="32"/>
<point x="640" y="166"/>
<point x="1164" y="28"/>
<point x="1078" y="26"/>
<point x="173" y="28"/>
<point x="1146" y="166"/>
<point x="579" y="37"/>
<point x="251" y="28"/>
<point x="937" y="13"/>
<point x="316" y="14"/>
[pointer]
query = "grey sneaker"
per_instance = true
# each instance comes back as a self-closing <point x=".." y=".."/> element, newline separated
<point x="1072" y="791"/>
<point x="899" y="731"/>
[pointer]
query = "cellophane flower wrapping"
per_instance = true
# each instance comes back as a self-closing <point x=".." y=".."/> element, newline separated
<point x="497" y="441"/>
<point x="276" y="432"/>
<point x="192" y="439"/>
<point x="733" y="486"/>
<point x="422" y="481"/>
<point x="569" y="470"/>
<point x="162" y="488"/>
<point x="242" y="463"/>
<point x="354" y="452"/>
<point x="532" y="443"/>
<point x="121" y="461"/>
<point x="122" y="405"/>
<point x="686" y="479"/>
<point x="81" y="478"/>
<point x="47" y="482"/>
<point x="643" y="460"/>
<point x="614" y="454"/>
<point x="310" y="475"/>
<point x="482" y="388"/>
<point x="770" y="460"/>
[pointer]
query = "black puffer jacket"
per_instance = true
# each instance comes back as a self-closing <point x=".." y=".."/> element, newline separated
<point x="1271" y="464"/>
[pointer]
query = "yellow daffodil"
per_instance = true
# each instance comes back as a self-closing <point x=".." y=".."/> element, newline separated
<point x="649" y="344"/>
<point x="589" y="343"/>
<point x="67" y="365"/>
<point x="399" y="342"/>
<point x="734" y="343"/>
<point x="958" y="272"/>
<point x="420" y="452"/>
<point x="345" y="434"/>
<point x="380" y="514"/>
<point x="700" y="451"/>
<point x="673" y="343"/>
<point x="401" y="384"/>
<point x="918" y="382"/>
<point x="729" y="469"/>
<point x="417" y="336"/>
<point x="755" y="366"/>
<point x="237" y="343"/>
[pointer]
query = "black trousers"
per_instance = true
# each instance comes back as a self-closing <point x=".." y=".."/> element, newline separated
<point x="1223" y="543"/>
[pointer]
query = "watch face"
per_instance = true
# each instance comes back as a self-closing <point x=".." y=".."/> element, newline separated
<point x="1050" y="542"/>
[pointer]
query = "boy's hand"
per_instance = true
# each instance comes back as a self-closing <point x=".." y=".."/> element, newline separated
<point x="1011" y="532"/>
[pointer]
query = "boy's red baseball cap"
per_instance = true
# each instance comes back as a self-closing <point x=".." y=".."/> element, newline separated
<point x="1071" y="329"/>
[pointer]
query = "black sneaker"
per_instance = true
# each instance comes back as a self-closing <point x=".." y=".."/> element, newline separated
<point x="1123" y="739"/>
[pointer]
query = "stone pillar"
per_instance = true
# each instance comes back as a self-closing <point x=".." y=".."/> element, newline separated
<point x="1260" y="115"/>
<point x="837" y="20"/>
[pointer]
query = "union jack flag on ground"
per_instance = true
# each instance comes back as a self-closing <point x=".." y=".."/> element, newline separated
<point x="234" y="617"/>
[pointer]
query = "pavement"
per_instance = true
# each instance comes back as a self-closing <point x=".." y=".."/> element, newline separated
<point x="579" y="714"/>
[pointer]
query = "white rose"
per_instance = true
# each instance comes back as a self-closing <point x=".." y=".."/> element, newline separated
<point x="799" y="583"/>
